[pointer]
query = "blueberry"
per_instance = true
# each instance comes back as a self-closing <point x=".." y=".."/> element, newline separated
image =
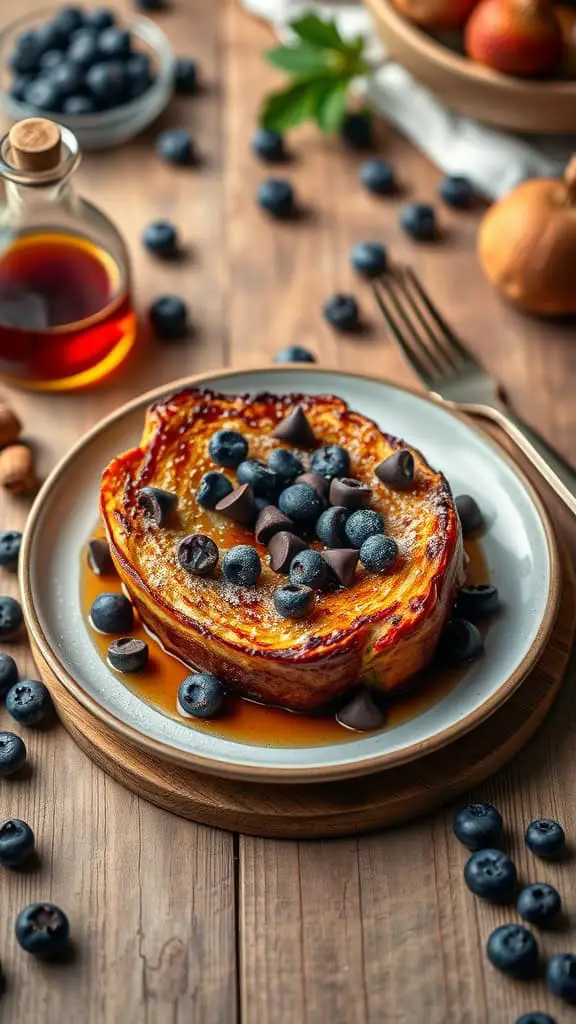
<point x="356" y="130"/>
<point x="128" y="654"/>
<point x="364" y="523"/>
<point x="169" y="317"/>
<point x="285" y="465"/>
<point x="42" y="929"/>
<point x="561" y="976"/>
<point x="378" y="176"/>
<point x="67" y="78"/>
<point x="10" y="541"/>
<point x="269" y="146"/>
<point x="78" y="106"/>
<point x="276" y="196"/>
<point x="419" y="221"/>
<point x="331" y="527"/>
<point x="16" y="842"/>
<point x="11" y="617"/>
<point x="241" y="566"/>
<point x="213" y="487"/>
<point x="201" y="695"/>
<point x="44" y="95"/>
<point x="107" y="84"/>
<point x="456" y="191"/>
<point x="139" y="74"/>
<point x="546" y="838"/>
<point x="175" y="145"/>
<point x="84" y="52"/>
<point x="369" y="258"/>
<point x="26" y="55"/>
<point x="460" y="643"/>
<point x="469" y="513"/>
<point x="513" y="950"/>
<point x="491" y="875"/>
<point x="114" y="43"/>
<point x="261" y="478"/>
<point x="260" y="503"/>
<point x="535" y="1018"/>
<point x="161" y="238"/>
<point x="301" y="503"/>
<point x="331" y="460"/>
<point x="477" y="602"/>
<point x="68" y="19"/>
<point x="308" y="569"/>
<point x="292" y="601"/>
<point x="19" y="85"/>
<point x="379" y="553"/>
<point x="228" y="448"/>
<point x="50" y="60"/>
<point x="185" y="76"/>
<point x="12" y="754"/>
<point x="9" y="674"/>
<point x="538" y="903"/>
<point x="294" y="354"/>
<point x="341" y="311"/>
<point x="99" y="18"/>
<point x="112" y="613"/>
<point x="151" y="5"/>
<point x="479" y="826"/>
<point x="28" y="702"/>
<point x="50" y="36"/>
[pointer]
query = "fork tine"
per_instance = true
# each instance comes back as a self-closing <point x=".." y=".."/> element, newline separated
<point x="448" y="334"/>
<point x="408" y="312"/>
<point x="417" y="365"/>
<point x="451" y="360"/>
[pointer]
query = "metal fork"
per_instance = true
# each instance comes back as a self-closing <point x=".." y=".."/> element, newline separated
<point x="451" y="372"/>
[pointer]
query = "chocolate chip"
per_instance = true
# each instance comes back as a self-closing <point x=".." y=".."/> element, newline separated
<point x="270" y="521"/>
<point x="283" y="548"/>
<point x="99" y="557"/>
<point x="469" y="512"/>
<point x="239" y="505"/>
<point x="295" y="429"/>
<point x="361" y="713"/>
<point x="342" y="562"/>
<point x="197" y="554"/>
<point x="315" y="480"/>
<point x="157" y="504"/>
<point x="128" y="654"/>
<point x="349" y="493"/>
<point x="397" y="471"/>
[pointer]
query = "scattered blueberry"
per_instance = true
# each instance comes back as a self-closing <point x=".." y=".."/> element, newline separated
<point x="151" y="5"/>
<point x="10" y="541"/>
<point x="161" y="238"/>
<point x="513" y="950"/>
<point x="479" y="826"/>
<point x="341" y="311"/>
<point x="477" y="602"/>
<point x="12" y="754"/>
<point x="309" y="569"/>
<point x="157" y="504"/>
<point x="16" y="842"/>
<point x="546" y="838"/>
<point x="369" y="258"/>
<point x="139" y="74"/>
<point x="169" y="317"/>
<point x="107" y="83"/>
<point x="269" y="146"/>
<point x="301" y="503"/>
<point x="331" y="527"/>
<point x="378" y="176"/>
<point x="42" y="929"/>
<point x="491" y="875"/>
<point x="84" y="52"/>
<point x="364" y="523"/>
<point x="112" y="613"/>
<point x="379" y="553"/>
<point x="201" y="695"/>
<point x="213" y="487"/>
<point x="67" y="19"/>
<point x="419" y="221"/>
<point x="276" y="196"/>
<point x="43" y="94"/>
<point x="99" y="18"/>
<point x="539" y="903"/>
<point x="128" y="654"/>
<point x="241" y="566"/>
<point x="284" y="464"/>
<point x="331" y="460"/>
<point x="535" y="1018"/>
<point x="78" y="106"/>
<point x="460" y="643"/>
<point x="28" y="702"/>
<point x="561" y="976"/>
<point x="293" y="601"/>
<point x="185" y="76"/>
<point x="263" y="480"/>
<point x="11" y="618"/>
<point x="114" y="43"/>
<point x="356" y="130"/>
<point x="176" y="146"/>
<point x="469" y="513"/>
<point x="9" y="674"/>
<point x="456" y="191"/>
<point x="294" y="354"/>
<point x="228" y="448"/>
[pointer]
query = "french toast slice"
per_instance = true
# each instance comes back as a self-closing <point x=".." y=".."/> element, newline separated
<point x="379" y="632"/>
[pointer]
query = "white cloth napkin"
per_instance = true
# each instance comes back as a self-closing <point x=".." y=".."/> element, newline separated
<point x="494" y="160"/>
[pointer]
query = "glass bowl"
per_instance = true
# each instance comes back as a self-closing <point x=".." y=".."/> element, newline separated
<point x="110" y="127"/>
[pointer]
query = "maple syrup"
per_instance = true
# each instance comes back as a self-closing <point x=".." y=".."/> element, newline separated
<point x="245" y="721"/>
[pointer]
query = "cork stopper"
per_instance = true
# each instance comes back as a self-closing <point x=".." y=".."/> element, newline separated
<point x="35" y="144"/>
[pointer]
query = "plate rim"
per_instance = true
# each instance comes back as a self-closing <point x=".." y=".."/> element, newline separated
<point x="255" y="773"/>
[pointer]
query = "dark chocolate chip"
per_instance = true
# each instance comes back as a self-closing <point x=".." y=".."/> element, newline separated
<point x="157" y="504"/>
<point x="342" y="562"/>
<point x="349" y="493"/>
<point x="361" y="713"/>
<point x="469" y="512"/>
<point x="197" y="554"/>
<point x="283" y="548"/>
<point x="295" y="429"/>
<point x="397" y="471"/>
<point x="128" y="654"/>
<point x="315" y="480"/>
<point x="239" y="505"/>
<point x="99" y="557"/>
<point x="270" y="521"/>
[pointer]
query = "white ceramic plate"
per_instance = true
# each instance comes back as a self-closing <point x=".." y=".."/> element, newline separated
<point x="519" y="547"/>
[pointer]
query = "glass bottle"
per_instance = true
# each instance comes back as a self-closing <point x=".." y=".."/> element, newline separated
<point x="66" y="314"/>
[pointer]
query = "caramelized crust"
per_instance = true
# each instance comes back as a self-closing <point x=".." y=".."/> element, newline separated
<point x="380" y="632"/>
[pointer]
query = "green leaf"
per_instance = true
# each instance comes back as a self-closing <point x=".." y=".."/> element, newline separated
<point x="331" y="106"/>
<point x="320" y="33"/>
<point x="292" y="106"/>
<point x="300" y="60"/>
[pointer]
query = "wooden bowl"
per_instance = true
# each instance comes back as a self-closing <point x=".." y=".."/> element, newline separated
<point x="516" y="103"/>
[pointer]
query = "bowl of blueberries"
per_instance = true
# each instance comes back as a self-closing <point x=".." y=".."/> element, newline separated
<point x="90" y="69"/>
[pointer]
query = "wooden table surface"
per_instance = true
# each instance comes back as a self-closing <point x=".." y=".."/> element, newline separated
<point x="183" y="924"/>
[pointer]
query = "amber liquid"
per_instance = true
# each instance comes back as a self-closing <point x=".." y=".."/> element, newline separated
<point x="66" y="316"/>
<point x="246" y="721"/>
